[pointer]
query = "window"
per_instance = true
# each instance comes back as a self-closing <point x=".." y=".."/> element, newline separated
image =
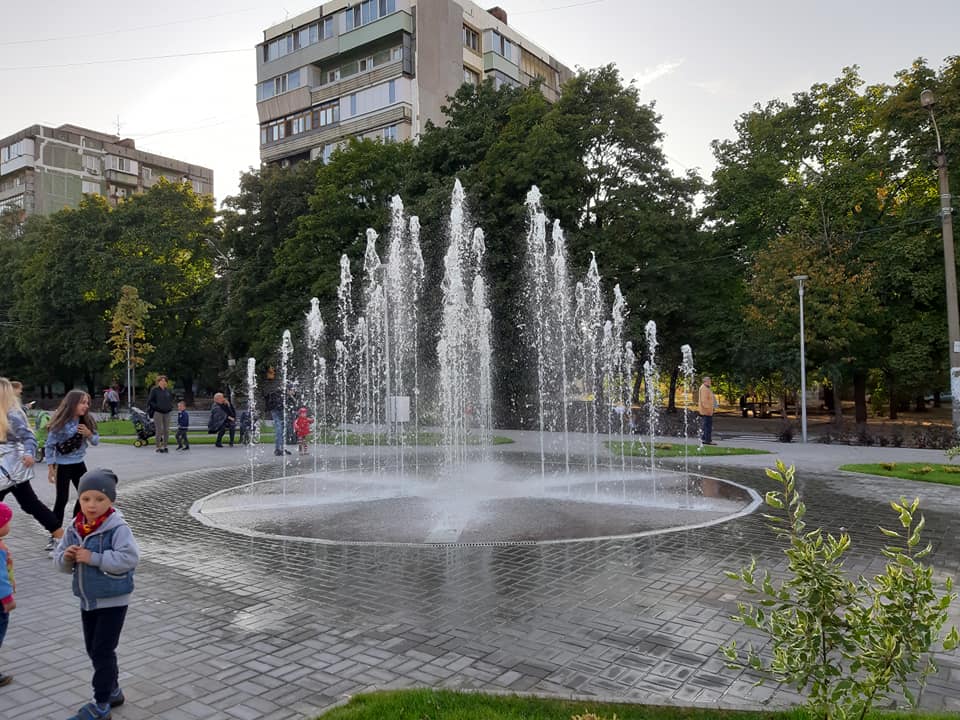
<point x="471" y="76"/>
<point x="353" y="105"/>
<point x="90" y="188"/>
<point x="396" y="53"/>
<point x="263" y="136"/>
<point x="327" y="28"/>
<point x="333" y="75"/>
<point x="471" y="39"/>
<point x="390" y="133"/>
<point x="197" y="186"/>
<point x="392" y="92"/>
<point x="326" y="114"/>
<point x="147" y="173"/>
<point x="502" y="46"/>
<point x="314" y="33"/>
<point x="11" y="152"/>
<point x="368" y="11"/>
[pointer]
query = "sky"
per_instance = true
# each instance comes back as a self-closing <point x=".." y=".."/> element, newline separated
<point x="702" y="62"/>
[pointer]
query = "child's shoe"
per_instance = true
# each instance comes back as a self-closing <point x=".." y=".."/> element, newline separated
<point x="5" y="679"/>
<point x="93" y="711"/>
<point x="116" y="698"/>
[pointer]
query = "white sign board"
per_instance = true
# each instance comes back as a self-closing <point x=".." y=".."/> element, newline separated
<point x="398" y="408"/>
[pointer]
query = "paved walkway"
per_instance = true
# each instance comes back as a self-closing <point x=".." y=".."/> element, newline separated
<point x="227" y="626"/>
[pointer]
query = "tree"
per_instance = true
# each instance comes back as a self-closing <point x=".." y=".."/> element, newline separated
<point x="128" y="335"/>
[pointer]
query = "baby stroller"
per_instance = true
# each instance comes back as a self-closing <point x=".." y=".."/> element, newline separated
<point x="144" y="426"/>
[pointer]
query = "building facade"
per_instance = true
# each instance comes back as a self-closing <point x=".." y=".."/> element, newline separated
<point x="382" y="69"/>
<point x="45" y="169"/>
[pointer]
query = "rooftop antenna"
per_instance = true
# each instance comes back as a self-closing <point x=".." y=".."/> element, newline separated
<point x="118" y="126"/>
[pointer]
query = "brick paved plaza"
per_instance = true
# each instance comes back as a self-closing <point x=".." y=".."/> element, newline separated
<point x="231" y="626"/>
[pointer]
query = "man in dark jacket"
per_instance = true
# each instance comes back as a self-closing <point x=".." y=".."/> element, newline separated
<point x="223" y="418"/>
<point x="159" y="407"/>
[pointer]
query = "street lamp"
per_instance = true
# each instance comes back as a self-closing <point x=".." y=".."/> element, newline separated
<point x="803" y="363"/>
<point x="928" y="101"/>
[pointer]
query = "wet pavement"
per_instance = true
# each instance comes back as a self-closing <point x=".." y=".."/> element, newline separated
<point x="225" y="625"/>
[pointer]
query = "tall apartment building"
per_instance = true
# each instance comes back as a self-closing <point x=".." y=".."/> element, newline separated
<point x="45" y="169"/>
<point x="382" y="69"/>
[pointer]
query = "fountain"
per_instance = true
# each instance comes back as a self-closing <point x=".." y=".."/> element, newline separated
<point x="557" y="484"/>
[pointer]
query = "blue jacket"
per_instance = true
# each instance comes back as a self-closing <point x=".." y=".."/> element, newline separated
<point x="6" y="573"/>
<point x="66" y="432"/>
<point x="113" y="551"/>
<point x="183" y="419"/>
<point x="18" y="430"/>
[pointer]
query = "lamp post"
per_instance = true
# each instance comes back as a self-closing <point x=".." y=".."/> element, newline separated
<point x="129" y="367"/>
<point x="928" y="101"/>
<point x="803" y="363"/>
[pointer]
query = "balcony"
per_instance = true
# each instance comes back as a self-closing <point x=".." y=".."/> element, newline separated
<point x="296" y="144"/>
<point x="384" y="27"/>
<point x="493" y="61"/>
<point x="122" y="177"/>
<point x="356" y="82"/>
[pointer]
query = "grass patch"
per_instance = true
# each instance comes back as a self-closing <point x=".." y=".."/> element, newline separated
<point x="666" y="450"/>
<point x="935" y="473"/>
<point x="449" y="705"/>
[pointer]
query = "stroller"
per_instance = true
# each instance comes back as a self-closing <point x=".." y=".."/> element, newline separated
<point x="144" y="426"/>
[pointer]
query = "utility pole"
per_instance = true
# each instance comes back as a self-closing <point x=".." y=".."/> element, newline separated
<point x="928" y="101"/>
<point x="803" y="363"/>
<point x="129" y="370"/>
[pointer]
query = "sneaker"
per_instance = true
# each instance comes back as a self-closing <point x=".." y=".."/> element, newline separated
<point x="217" y="445"/>
<point x="93" y="711"/>
<point x="5" y="679"/>
<point x="278" y="453"/>
<point x="116" y="698"/>
<point x="51" y="544"/>
<point x="287" y="452"/>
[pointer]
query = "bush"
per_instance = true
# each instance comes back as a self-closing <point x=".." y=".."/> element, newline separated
<point x="845" y="644"/>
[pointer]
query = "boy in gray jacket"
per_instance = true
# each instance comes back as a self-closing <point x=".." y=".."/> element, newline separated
<point x="99" y="550"/>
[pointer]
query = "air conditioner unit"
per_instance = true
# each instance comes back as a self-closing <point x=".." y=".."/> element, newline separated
<point x="93" y="171"/>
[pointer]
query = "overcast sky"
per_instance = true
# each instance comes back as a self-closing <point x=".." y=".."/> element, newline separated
<point x="703" y="62"/>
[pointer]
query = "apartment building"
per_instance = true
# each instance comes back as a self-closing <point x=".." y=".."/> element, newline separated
<point x="382" y="69"/>
<point x="45" y="169"/>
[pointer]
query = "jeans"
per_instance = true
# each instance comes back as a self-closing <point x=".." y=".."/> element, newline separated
<point x="707" y="428"/>
<point x="4" y="621"/>
<point x="162" y="423"/>
<point x="101" y="635"/>
<point x="227" y="428"/>
<point x="32" y="505"/>
<point x="182" y="440"/>
<point x="67" y="474"/>
<point x="279" y="429"/>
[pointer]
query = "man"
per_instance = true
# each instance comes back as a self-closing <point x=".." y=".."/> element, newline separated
<point x="707" y="402"/>
<point x="273" y="398"/>
<point x="223" y="419"/>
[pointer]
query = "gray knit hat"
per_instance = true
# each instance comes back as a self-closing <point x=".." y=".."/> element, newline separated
<point x="101" y="480"/>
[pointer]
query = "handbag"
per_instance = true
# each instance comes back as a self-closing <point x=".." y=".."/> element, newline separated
<point x="12" y="470"/>
<point x="71" y="444"/>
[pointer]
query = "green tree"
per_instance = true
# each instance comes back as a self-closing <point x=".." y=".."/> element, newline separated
<point x="128" y="336"/>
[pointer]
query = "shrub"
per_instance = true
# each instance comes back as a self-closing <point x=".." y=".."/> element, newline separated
<point x="845" y="644"/>
<point x="591" y="716"/>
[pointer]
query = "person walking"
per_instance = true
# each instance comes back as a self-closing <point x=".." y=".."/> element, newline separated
<point x="99" y="550"/>
<point x="707" y="403"/>
<point x="159" y="407"/>
<point x="113" y="400"/>
<point x="223" y="418"/>
<point x="69" y="431"/>
<point x="273" y="403"/>
<point x="183" y="424"/>
<point x="17" y="455"/>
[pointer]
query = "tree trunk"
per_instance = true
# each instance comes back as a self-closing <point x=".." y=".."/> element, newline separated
<point x="187" y="381"/>
<point x="920" y="405"/>
<point x="635" y="397"/>
<point x="672" y="400"/>
<point x="936" y="398"/>
<point x="892" y="395"/>
<point x="860" y="396"/>
<point x="837" y="403"/>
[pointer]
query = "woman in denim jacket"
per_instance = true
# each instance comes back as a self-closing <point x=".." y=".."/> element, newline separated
<point x="71" y="428"/>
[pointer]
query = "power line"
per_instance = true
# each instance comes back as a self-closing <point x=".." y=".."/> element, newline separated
<point x="123" y="30"/>
<point x="123" y="60"/>
<point x="559" y="7"/>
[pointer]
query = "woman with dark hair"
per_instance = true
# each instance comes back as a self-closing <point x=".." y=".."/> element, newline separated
<point x="69" y="431"/>
<point x="16" y="460"/>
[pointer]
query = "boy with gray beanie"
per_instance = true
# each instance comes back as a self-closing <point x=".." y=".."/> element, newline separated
<point x="99" y="550"/>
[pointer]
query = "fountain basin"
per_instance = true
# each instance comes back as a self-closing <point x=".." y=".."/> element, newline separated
<point x="501" y="502"/>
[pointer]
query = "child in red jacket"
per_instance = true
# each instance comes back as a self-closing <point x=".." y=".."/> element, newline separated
<point x="301" y="427"/>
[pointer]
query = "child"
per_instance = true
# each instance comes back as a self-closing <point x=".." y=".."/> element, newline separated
<point x="7" y="585"/>
<point x="99" y="550"/>
<point x="183" y="422"/>
<point x="301" y="426"/>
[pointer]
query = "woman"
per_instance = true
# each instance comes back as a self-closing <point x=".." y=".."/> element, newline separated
<point x="16" y="433"/>
<point x="70" y="429"/>
<point x="159" y="407"/>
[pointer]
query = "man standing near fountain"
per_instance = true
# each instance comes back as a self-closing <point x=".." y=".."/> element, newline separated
<point x="707" y="402"/>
